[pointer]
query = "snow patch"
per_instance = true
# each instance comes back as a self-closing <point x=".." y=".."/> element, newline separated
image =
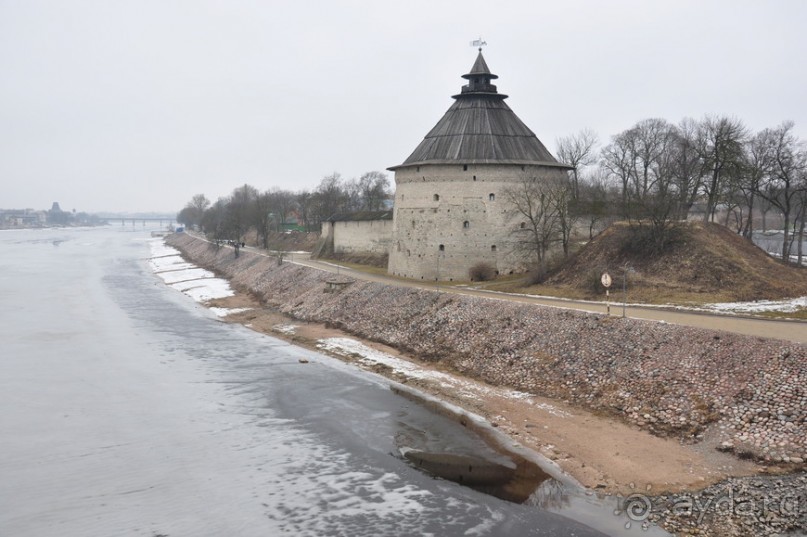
<point x="468" y="388"/>
<point x="224" y="312"/>
<point x="198" y="283"/>
<point x="787" y="306"/>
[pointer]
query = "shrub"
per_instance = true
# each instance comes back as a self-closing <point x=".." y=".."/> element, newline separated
<point x="482" y="272"/>
<point x="536" y="275"/>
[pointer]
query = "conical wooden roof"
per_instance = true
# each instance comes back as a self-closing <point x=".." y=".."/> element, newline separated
<point x="479" y="128"/>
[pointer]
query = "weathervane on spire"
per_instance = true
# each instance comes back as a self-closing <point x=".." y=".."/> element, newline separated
<point x="479" y="43"/>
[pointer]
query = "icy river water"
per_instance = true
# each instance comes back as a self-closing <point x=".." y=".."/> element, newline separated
<point x="127" y="409"/>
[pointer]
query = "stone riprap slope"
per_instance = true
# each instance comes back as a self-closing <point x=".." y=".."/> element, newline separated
<point x="665" y="378"/>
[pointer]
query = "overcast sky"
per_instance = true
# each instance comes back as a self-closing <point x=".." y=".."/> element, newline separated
<point x="137" y="105"/>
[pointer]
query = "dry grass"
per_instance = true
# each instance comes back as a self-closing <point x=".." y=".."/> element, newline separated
<point x="705" y="263"/>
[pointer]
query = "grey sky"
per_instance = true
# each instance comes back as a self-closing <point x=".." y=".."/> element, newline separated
<point x="138" y="105"/>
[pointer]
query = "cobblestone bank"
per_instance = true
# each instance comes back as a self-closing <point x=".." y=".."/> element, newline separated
<point x="671" y="380"/>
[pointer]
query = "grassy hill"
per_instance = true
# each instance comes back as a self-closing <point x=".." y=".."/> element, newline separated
<point x="702" y="263"/>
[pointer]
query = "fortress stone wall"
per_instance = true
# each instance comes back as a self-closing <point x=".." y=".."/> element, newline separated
<point x="360" y="236"/>
<point x="449" y="217"/>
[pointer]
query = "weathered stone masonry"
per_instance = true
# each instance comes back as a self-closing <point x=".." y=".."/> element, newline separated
<point x="450" y="208"/>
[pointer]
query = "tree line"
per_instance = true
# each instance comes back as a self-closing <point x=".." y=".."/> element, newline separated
<point x="657" y="174"/>
<point x="654" y="175"/>
<point x="230" y="217"/>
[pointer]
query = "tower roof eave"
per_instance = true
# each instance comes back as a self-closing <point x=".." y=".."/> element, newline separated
<point x="512" y="162"/>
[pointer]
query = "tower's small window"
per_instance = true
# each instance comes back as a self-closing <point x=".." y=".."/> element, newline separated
<point x="522" y="168"/>
<point x="474" y="177"/>
<point x="408" y="253"/>
<point x="418" y="168"/>
<point x="437" y="197"/>
<point x="466" y="224"/>
<point x="465" y="167"/>
<point x="442" y="248"/>
<point x="523" y="225"/>
<point x="413" y="223"/>
<point x="491" y="197"/>
<point x="493" y="248"/>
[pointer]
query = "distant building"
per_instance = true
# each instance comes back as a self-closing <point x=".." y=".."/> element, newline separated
<point x="449" y="209"/>
<point x="22" y="218"/>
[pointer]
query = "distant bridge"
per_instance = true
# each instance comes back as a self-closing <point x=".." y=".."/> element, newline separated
<point x="163" y="220"/>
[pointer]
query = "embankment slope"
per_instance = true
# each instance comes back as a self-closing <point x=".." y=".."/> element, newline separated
<point x="671" y="380"/>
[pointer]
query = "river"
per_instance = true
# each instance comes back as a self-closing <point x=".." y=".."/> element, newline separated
<point x="129" y="410"/>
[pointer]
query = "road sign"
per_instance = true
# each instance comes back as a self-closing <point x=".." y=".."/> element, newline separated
<point x="606" y="280"/>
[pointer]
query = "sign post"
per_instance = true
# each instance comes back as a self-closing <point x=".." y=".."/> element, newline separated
<point x="606" y="282"/>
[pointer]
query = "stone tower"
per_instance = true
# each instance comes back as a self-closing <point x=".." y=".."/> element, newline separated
<point x="450" y="211"/>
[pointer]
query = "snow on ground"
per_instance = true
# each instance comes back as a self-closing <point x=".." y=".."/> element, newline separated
<point x="199" y="284"/>
<point x="369" y="356"/>
<point x="289" y="329"/>
<point x="169" y="262"/>
<point x="205" y="289"/>
<point x="787" y="306"/>
<point x="224" y="312"/>
<point x="160" y="249"/>
<point x="176" y="276"/>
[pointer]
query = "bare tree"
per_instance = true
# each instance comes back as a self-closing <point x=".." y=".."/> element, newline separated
<point x="329" y="198"/>
<point x="596" y="201"/>
<point x="305" y="208"/>
<point x="801" y="218"/>
<point x="263" y="217"/>
<point x="214" y="220"/>
<point x="617" y="160"/>
<point x="645" y="159"/>
<point x="374" y="190"/>
<point x="283" y="203"/>
<point x="191" y="214"/>
<point x="720" y="147"/>
<point x="787" y="177"/>
<point x="756" y="165"/>
<point x="688" y="167"/>
<point x="578" y="150"/>
<point x="534" y="202"/>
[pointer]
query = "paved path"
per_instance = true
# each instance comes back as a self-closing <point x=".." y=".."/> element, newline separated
<point x="795" y="331"/>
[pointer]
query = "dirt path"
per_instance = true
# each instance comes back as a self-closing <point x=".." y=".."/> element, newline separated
<point x="600" y="452"/>
<point x="787" y="330"/>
